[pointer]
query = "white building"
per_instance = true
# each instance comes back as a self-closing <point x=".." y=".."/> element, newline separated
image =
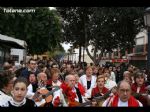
<point x="17" y="48"/>
<point x="138" y="55"/>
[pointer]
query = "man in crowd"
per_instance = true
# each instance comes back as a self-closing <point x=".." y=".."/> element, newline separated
<point x="123" y="98"/>
<point x="32" y="67"/>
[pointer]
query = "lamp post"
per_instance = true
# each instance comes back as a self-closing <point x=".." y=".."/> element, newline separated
<point x="147" y="24"/>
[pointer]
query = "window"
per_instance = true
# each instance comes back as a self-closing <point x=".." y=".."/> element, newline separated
<point x="139" y="48"/>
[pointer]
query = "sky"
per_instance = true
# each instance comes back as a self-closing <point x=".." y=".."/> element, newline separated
<point x="52" y="8"/>
<point x="66" y="46"/>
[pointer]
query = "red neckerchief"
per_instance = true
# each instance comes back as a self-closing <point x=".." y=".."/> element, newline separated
<point x="68" y="92"/>
<point x="49" y="82"/>
<point x="132" y="102"/>
<point x="81" y="89"/>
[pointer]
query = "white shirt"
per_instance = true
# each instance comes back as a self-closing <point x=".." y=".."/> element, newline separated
<point x="110" y="84"/>
<point x="58" y="83"/>
<point x="30" y="92"/>
<point x="83" y="81"/>
<point x="4" y="99"/>
<point x="113" y="76"/>
<point x="59" y="94"/>
<point x="122" y="104"/>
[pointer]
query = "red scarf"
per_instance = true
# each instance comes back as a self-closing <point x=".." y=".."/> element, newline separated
<point x="68" y="92"/>
<point x="132" y="102"/>
<point x="81" y="89"/>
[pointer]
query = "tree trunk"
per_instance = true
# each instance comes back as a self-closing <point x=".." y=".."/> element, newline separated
<point x="80" y="50"/>
<point x="83" y="53"/>
<point x="88" y="53"/>
<point x="94" y="56"/>
<point x="68" y="57"/>
<point x="100" y="56"/>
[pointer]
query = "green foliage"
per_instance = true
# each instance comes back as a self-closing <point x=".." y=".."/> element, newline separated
<point x="74" y="19"/>
<point x="40" y="29"/>
<point x="106" y="28"/>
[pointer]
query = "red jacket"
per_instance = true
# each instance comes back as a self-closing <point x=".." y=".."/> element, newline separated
<point x="96" y="91"/>
<point x="142" y="99"/>
<point x="142" y="89"/>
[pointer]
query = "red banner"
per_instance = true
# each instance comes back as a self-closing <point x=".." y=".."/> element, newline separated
<point x="119" y="60"/>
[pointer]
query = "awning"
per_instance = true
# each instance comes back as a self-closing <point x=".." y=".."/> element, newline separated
<point x="10" y="44"/>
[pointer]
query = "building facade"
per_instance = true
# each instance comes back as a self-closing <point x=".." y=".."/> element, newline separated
<point x="138" y="55"/>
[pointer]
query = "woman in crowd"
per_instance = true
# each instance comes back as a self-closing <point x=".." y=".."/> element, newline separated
<point x="95" y="71"/>
<point x="55" y="80"/>
<point x="127" y="77"/>
<point x="109" y="83"/>
<point x="139" y="88"/>
<point x="19" y="94"/>
<point x="99" y="90"/>
<point x="88" y="81"/>
<point x="100" y="71"/>
<point x="112" y="74"/>
<point x="6" y="85"/>
<point x="32" y="87"/>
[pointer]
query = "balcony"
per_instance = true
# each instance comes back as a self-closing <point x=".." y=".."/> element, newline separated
<point x="138" y="51"/>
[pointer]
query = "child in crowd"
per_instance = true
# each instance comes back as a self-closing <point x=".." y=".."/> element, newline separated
<point x="18" y="94"/>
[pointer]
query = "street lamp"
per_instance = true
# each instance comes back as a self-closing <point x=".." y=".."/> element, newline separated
<point x="147" y="24"/>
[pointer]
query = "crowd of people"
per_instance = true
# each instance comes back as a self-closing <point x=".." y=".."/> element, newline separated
<point x="47" y="83"/>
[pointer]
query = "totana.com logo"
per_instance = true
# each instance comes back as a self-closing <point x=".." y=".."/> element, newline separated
<point x="10" y="10"/>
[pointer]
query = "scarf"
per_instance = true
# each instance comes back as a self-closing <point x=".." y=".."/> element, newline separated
<point x="142" y="88"/>
<point x="81" y="89"/>
<point x="132" y="102"/>
<point x="17" y="104"/>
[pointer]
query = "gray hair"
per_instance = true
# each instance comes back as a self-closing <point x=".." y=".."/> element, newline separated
<point x="126" y="72"/>
<point x="67" y="77"/>
<point x="39" y="74"/>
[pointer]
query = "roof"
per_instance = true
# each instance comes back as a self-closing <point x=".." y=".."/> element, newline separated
<point x="12" y="42"/>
